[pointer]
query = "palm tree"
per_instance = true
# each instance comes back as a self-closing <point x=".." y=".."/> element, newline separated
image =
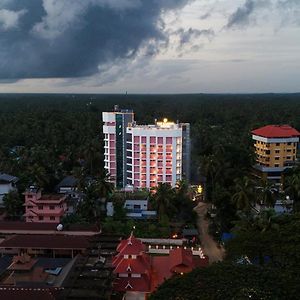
<point x="292" y="187"/>
<point x="244" y="196"/>
<point x="164" y="194"/>
<point x="104" y="187"/>
<point x="266" y="194"/>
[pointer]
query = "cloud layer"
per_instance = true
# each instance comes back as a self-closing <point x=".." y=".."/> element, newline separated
<point x="72" y="38"/>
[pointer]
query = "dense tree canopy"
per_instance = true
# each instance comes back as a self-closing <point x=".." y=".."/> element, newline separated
<point x="270" y="245"/>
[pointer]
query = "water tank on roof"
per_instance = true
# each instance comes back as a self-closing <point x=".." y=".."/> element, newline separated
<point x="60" y="227"/>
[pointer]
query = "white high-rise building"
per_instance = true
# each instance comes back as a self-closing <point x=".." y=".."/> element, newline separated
<point x="151" y="154"/>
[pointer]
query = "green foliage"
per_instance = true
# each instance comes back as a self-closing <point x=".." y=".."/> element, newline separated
<point x="292" y="186"/>
<point x="73" y="219"/>
<point x="13" y="204"/>
<point x="224" y="281"/>
<point x="267" y="235"/>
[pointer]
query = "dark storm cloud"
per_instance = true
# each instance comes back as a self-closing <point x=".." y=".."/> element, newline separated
<point x="241" y="17"/>
<point x="71" y="38"/>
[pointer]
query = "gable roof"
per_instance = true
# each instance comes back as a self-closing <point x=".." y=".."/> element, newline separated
<point x="140" y="265"/>
<point x="276" y="131"/>
<point x="181" y="260"/>
<point x="8" y="178"/>
<point x="140" y="284"/>
<point x="69" y="181"/>
<point x="131" y="246"/>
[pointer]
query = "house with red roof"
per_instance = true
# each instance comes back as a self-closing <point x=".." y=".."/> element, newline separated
<point x="276" y="150"/>
<point x="138" y="273"/>
<point x="44" y="208"/>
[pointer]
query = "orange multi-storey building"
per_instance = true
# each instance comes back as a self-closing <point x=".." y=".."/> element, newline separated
<point x="275" y="149"/>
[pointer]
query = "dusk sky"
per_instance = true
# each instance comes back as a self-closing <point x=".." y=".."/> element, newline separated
<point x="149" y="46"/>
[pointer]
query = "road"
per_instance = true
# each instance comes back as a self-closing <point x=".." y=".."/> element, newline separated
<point x="208" y="244"/>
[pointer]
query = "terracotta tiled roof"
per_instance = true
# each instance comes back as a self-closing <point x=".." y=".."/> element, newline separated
<point x="19" y="293"/>
<point x="181" y="260"/>
<point x="140" y="265"/>
<point x="276" y="131"/>
<point x="141" y="284"/>
<point x="131" y="246"/>
<point x="46" y="242"/>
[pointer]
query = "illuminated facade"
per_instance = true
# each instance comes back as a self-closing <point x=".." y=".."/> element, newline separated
<point x="152" y="154"/>
<point x="276" y="149"/>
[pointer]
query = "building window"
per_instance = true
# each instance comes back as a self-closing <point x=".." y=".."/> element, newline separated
<point x="289" y="143"/>
<point x="41" y="218"/>
<point x="40" y="207"/>
<point x="52" y="207"/>
<point x="277" y="144"/>
<point x="288" y="158"/>
<point x="52" y="218"/>
<point x="289" y="150"/>
<point x="277" y="151"/>
<point x="276" y="165"/>
<point x="268" y="151"/>
<point x="276" y="158"/>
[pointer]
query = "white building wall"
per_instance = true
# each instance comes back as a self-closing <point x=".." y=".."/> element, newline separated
<point x="5" y="189"/>
<point x="175" y="132"/>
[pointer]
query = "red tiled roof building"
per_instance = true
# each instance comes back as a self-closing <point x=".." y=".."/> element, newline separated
<point x="139" y="273"/>
<point x="132" y="266"/>
<point x="276" y="150"/>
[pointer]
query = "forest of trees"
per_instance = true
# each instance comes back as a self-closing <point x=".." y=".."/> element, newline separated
<point x="46" y="137"/>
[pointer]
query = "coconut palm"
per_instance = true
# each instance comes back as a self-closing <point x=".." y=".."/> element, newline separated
<point x="292" y="187"/>
<point x="244" y="197"/>
<point x="266" y="193"/>
<point x="164" y="194"/>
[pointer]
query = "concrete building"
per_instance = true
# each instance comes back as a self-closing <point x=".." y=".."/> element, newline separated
<point x="151" y="154"/>
<point x="276" y="150"/>
<point x="44" y="208"/>
<point x="114" y="130"/>
<point x="154" y="154"/>
<point x="135" y="209"/>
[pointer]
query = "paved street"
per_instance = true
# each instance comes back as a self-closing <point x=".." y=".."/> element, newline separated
<point x="209" y="246"/>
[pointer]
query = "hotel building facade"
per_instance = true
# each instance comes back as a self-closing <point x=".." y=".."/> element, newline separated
<point x="275" y="149"/>
<point x="148" y="154"/>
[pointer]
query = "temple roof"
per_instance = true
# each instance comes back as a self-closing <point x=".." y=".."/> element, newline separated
<point x="140" y="284"/>
<point x="140" y="265"/>
<point x="131" y="246"/>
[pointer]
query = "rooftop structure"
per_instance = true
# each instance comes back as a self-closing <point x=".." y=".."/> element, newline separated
<point x="276" y="150"/>
<point x="16" y="227"/>
<point x="52" y="245"/>
<point x="36" y="272"/>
